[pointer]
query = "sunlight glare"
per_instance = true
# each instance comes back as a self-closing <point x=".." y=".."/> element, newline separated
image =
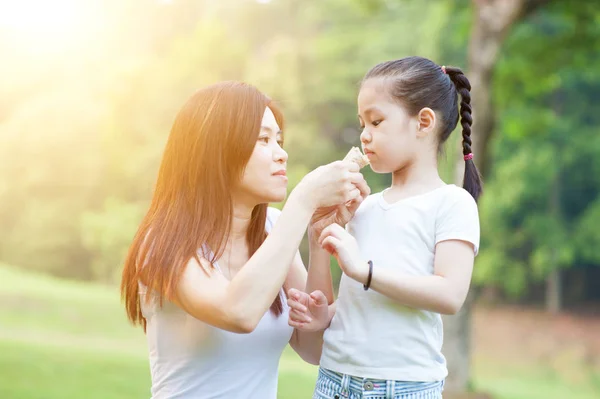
<point x="42" y="22"/>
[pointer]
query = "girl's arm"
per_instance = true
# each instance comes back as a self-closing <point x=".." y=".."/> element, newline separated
<point x="443" y="292"/>
<point x="308" y="344"/>
<point x="315" y="291"/>
<point x="457" y="241"/>
<point x="319" y="271"/>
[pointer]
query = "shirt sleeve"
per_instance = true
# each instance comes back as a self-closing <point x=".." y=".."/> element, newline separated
<point x="458" y="219"/>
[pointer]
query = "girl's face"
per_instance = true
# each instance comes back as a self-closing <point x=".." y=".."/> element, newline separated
<point x="390" y="137"/>
<point x="264" y="179"/>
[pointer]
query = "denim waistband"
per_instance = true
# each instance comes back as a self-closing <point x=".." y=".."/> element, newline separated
<point x="374" y="388"/>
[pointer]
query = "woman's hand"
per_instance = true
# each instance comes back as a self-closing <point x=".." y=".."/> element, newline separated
<point x="339" y="214"/>
<point x="329" y="185"/>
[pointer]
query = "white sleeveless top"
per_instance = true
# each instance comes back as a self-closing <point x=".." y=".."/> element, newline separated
<point x="191" y="359"/>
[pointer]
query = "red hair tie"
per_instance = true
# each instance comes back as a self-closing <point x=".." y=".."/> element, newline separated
<point x="468" y="156"/>
<point x="444" y="69"/>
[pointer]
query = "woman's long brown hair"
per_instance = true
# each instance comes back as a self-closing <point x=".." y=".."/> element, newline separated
<point x="210" y="143"/>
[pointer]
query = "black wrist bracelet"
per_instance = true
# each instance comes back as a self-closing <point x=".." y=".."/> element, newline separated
<point x="366" y="286"/>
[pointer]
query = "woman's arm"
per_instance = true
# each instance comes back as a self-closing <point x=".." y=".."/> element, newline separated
<point x="239" y="304"/>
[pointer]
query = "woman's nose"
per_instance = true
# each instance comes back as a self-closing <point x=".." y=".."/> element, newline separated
<point x="280" y="155"/>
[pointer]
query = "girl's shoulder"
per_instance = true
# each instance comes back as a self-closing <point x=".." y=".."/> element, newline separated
<point x="454" y="194"/>
<point x="457" y="203"/>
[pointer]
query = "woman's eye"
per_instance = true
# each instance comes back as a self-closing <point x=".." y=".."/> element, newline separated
<point x="264" y="139"/>
<point x="375" y="123"/>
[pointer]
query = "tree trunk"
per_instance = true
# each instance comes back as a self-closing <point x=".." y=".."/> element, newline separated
<point x="554" y="279"/>
<point x="492" y="20"/>
<point x="553" y="291"/>
<point x="457" y="348"/>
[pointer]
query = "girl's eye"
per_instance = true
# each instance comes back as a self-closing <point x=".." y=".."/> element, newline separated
<point x="376" y="123"/>
<point x="264" y="139"/>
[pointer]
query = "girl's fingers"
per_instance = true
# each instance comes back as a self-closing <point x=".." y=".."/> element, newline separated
<point x="330" y="244"/>
<point x="331" y="230"/>
<point x="295" y="305"/>
<point x="294" y="293"/>
<point x="299" y="317"/>
<point x="299" y="326"/>
<point x="319" y="298"/>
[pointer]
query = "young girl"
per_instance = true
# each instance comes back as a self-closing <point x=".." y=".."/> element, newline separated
<point x="407" y="256"/>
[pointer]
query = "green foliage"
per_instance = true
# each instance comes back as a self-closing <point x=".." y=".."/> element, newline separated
<point x="81" y="137"/>
<point x="82" y="133"/>
<point x="542" y="198"/>
<point x="106" y="235"/>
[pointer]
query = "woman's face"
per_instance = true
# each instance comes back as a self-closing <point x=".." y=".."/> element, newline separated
<point x="264" y="179"/>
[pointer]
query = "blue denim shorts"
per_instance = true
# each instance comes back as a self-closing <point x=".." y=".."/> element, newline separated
<point x="333" y="385"/>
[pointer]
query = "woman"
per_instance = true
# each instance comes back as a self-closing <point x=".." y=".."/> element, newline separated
<point x="202" y="276"/>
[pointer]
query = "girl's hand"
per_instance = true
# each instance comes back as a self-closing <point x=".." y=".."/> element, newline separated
<point x="341" y="244"/>
<point x="308" y="312"/>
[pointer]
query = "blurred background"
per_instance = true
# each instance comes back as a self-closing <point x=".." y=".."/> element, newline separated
<point x="90" y="88"/>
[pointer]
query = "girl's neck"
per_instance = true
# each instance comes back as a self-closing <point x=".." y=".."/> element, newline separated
<point x="417" y="177"/>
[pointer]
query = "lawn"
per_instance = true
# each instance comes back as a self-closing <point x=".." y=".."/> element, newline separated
<point x="70" y="340"/>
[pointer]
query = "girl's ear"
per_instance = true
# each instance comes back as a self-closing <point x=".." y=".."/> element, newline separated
<point x="425" y="122"/>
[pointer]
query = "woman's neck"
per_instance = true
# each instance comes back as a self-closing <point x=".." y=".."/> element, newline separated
<point x="240" y="222"/>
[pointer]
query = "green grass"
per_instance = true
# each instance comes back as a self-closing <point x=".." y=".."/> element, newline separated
<point x="69" y="340"/>
<point x="63" y="339"/>
<point x="517" y="381"/>
<point x="43" y="370"/>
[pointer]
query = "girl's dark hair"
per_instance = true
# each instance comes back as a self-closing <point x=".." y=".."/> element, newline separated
<point x="416" y="83"/>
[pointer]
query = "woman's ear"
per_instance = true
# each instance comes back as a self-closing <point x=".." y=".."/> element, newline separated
<point x="425" y="122"/>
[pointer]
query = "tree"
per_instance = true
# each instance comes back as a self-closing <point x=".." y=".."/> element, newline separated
<point x="492" y="22"/>
<point x="544" y="185"/>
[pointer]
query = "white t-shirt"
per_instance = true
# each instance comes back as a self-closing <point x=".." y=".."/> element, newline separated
<point x="191" y="359"/>
<point x="373" y="336"/>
